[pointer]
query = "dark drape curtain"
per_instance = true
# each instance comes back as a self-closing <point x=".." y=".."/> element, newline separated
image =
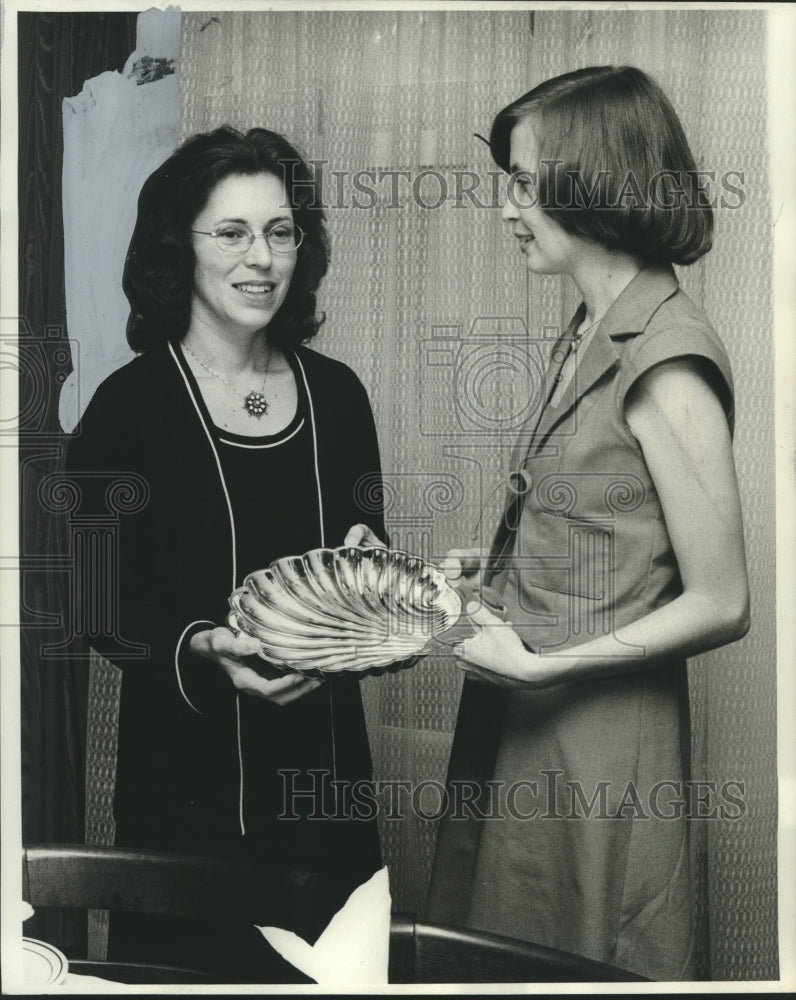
<point x="57" y="52"/>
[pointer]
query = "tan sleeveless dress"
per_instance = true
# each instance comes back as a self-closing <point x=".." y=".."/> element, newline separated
<point x="580" y="842"/>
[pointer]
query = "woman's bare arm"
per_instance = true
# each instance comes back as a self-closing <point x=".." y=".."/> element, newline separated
<point x="681" y="427"/>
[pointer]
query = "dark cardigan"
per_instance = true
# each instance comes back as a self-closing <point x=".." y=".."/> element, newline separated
<point x="182" y="780"/>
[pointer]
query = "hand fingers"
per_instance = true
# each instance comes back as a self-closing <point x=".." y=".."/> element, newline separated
<point x="354" y="535"/>
<point x="479" y="614"/>
<point x="244" y="645"/>
<point x="289" y="679"/>
<point x="452" y="567"/>
<point x="362" y="535"/>
<point x="461" y="562"/>
<point x="472" y="564"/>
<point x="224" y="642"/>
<point x="307" y="684"/>
<point x="468" y="649"/>
<point x="482" y="619"/>
<point x="280" y="690"/>
<point x="280" y="687"/>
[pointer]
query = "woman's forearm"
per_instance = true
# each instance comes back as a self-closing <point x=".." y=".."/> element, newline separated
<point x="691" y="624"/>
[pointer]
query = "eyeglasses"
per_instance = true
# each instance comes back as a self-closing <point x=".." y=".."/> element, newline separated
<point x="281" y="238"/>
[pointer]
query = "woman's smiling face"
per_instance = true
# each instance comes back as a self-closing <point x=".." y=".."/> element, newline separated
<point x="241" y="292"/>
<point x="548" y="248"/>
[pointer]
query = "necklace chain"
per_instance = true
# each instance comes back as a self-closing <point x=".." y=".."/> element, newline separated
<point x="573" y="344"/>
<point x="254" y="401"/>
<point x="577" y="338"/>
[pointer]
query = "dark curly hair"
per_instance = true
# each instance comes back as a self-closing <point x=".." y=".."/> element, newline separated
<point x="622" y="172"/>
<point x="159" y="270"/>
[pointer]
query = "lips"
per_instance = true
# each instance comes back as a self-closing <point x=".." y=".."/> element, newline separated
<point x="257" y="293"/>
<point x="255" y="287"/>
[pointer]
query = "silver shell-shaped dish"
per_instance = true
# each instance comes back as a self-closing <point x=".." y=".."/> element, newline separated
<point x="359" y="610"/>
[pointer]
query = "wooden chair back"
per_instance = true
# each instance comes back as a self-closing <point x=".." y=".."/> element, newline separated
<point x="161" y="883"/>
<point x="434" y="953"/>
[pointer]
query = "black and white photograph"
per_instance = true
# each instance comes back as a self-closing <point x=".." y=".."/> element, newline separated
<point x="397" y="455"/>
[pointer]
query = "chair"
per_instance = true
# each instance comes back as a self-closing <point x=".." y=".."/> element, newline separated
<point x="161" y="883"/>
<point x="434" y="953"/>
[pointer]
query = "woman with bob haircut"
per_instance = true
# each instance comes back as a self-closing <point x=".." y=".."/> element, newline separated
<point x="245" y="447"/>
<point x="619" y="553"/>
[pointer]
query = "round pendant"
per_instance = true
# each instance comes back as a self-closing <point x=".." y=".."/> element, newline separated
<point x="255" y="404"/>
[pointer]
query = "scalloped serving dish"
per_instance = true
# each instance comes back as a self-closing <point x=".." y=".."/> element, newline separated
<point x="360" y="610"/>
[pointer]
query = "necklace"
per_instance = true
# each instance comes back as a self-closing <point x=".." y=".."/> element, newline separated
<point x="577" y="338"/>
<point x="254" y="401"/>
<point x="561" y="357"/>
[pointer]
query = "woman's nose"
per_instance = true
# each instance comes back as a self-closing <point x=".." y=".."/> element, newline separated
<point x="509" y="211"/>
<point x="259" y="253"/>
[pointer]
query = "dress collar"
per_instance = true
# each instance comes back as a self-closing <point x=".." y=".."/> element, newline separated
<point x="638" y="301"/>
<point x="628" y="315"/>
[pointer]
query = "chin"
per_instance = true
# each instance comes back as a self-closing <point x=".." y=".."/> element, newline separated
<point x="538" y="267"/>
<point x="249" y="325"/>
<point x="257" y="318"/>
<point x="543" y="267"/>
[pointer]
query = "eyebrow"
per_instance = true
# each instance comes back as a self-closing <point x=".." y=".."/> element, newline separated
<point x="245" y="222"/>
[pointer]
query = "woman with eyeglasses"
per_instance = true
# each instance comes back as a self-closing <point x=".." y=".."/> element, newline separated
<point x="619" y="554"/>
<point x="251" y="447"/>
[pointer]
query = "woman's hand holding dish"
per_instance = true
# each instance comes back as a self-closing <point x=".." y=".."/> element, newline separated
<point x="360" y="535"/>
<point x="231" y="653"/>
<point x="464" y="566"/>
<point x="496" y="654"/>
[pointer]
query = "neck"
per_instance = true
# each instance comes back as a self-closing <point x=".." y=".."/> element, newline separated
<point x="232" y="354"/>
<point x="601" y="276"/>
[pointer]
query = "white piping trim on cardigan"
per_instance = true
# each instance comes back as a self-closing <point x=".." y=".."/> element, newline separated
<point x="218" y="462"/>
<point x="200" y="621"/>
<point x="276" y="444"/>
<point x="240" y="765"/>
<point x="314" y="448"/>
<point x="323" y="543"/>
<point x="234" y="561"/>
<point x="234" y="554"/>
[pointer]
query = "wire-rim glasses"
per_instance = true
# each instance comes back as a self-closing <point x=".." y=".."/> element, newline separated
<point x="284" y="237"/>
